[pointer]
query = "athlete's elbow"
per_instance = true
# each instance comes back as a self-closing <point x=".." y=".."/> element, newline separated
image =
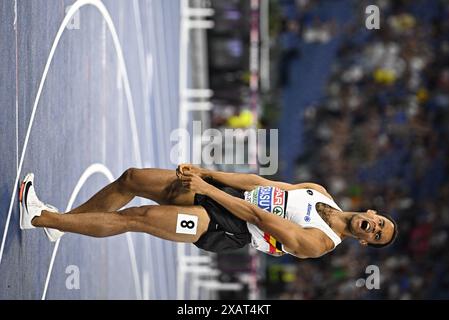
<point x="255" y="218"/>
<point x="254" y="181"/>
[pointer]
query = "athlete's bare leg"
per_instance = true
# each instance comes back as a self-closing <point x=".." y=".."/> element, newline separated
<point x="159" y="185"/>
<point x="159" y="221"/>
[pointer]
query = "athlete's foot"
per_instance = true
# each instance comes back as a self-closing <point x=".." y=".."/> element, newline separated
<point x="31" y="207"/>
<point x="52" y="234"/>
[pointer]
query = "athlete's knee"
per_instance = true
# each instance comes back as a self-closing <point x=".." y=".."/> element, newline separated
<point x="138" y="217"/>
<point x="127" y="180"/>
<point x="148" y="212"/>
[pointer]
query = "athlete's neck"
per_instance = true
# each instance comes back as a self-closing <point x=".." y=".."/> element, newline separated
<point x="337" y="220"/>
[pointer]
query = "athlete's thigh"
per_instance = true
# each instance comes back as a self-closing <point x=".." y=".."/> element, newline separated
<point x="160" y="185"/>
<point x="175" y="223"/>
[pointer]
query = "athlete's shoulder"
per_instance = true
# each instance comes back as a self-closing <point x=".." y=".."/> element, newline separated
<point x="311" y="185"/>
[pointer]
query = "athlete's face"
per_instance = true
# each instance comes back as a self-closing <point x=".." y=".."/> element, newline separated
<point x="369" y="227"/>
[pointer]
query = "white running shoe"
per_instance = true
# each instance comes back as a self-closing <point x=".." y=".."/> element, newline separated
<point x="31" y="206"/>
<point x="52" y="234"/>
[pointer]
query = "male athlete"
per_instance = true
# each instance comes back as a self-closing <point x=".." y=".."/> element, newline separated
<point x="216" y="211"/>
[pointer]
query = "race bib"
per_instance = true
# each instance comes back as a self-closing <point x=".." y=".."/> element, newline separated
<point x="270" y="199"/>
<point x="187" y="224"/>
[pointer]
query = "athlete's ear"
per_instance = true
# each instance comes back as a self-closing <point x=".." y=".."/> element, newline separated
<point x="363" y="242"/>
<point x="371" y="212"/>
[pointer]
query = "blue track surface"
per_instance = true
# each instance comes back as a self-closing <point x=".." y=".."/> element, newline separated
<point x="83" y="118"/>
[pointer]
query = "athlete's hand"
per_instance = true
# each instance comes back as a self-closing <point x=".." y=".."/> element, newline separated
<point x="187" y="167"/>
<point x="193" y="182"/>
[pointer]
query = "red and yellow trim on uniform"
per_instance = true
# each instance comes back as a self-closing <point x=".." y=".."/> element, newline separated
<point x="273" y="243"/>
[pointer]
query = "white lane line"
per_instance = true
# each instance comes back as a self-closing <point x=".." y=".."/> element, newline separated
<point x="17" y="86"/>
<point x="70" y="13"/>
<point x="158" y="107"/>
<point x="146" y="285"/>
<point x="149" y="81"/>
<point x="162" y="133"/>
<point x="124" y="73"/>
<point x="151" y="63"/>
<point x="15" y="15"/>
<point x="143" y="68"/>
<point x="27" y="136"/>
<point x="162" y="79"/>
<point x="103" y="44"/>
<point x="91" y="170"/>
<point x="169" y="69"/>
<point x="182" y="123"/>
<point x="168" y="55"/>
<point x="146" y="75"/>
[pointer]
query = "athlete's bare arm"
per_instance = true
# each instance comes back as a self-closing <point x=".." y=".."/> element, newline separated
<point x="247" y="182"/>
<point x="240" y="181"/>
<point x="301" y="242"/>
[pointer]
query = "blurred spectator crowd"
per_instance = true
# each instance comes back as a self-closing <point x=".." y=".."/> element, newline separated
<point x="380" y="139"/>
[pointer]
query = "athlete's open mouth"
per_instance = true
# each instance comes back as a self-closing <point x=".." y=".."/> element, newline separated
<point x="365" y="226"/>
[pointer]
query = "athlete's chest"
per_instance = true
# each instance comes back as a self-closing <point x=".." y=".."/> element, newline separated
<point x="302" y="207"/>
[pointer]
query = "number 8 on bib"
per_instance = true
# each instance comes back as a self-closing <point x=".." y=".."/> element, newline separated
<point x="186" y="224"/>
